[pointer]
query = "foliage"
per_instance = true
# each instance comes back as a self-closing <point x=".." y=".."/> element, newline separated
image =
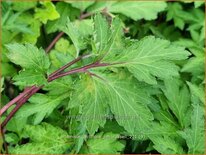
<point x="123" y="77"/>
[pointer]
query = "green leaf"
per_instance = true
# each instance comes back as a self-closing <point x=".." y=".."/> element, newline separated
<point x="116" y="93"/>
<point x="43" y="139"/>
<point x="7" y="69"/>
<point x="29" y="78"/>
<point x="194" y="136"/>
<point x="23" y="6"/>
<point x="197" y="91"/>
<point x="47" y="12"/>
<point x="196" y="64"/>
<point x="41" y="106"/>
<point x="65" y="11"/>
<point x="149" y="58"/>
<point x="74" y="35"/>
<point x="134" y="10"/>
<point x="138" y="10"/>
<point x="175" y="12"/>
<point x="28" y="56"/>
<point x="179" y="99"/>
<point x="85" y="27"/>
<point x="92" y="96"/>
<point x="63" y="84"/>
<point x="103" y="143"/>
<point x="198" y="3"/>
<point x="82" y="5"/>
<point x="166" y="145"/>
<point x="102" y="32"/>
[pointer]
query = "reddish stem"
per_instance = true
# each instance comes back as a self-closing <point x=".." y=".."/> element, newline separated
<point x="21" y="102"/>
<point x="16" y="99"/>
<point x="67" y="65"/>
<point x="78" y="70"/>
<point x="54" y="41"/>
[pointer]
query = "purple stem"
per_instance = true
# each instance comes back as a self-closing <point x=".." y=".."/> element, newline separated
<point x="54" y="41"/>
<point x="21" y="102"/>
<point x="78" y="70"/>
<point x="16" y="99"/>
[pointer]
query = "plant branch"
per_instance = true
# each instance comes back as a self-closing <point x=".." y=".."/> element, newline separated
<point x="21" y="102"/>
<point x="68" y="65"/>
<point x="54" y="42"/>
<point x="16" y="99"/>
<point x="79" y="70"/>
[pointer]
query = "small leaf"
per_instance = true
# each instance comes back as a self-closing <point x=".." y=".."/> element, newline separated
<point x="41" y="106"/>
<point x="105" y="143"/>
<point x="29" y="78"/>
<point x="28" y="56"/>
<point x="150" y="57"/>
<point x="44" y="139"/>
<point x="194" y="136"/>
<point x="47" y="12"/>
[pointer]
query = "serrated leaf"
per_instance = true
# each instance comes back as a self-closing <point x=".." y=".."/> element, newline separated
<point x="23" y="6"/>
<point x="65" y="11"/>
<point x="138" y="10"/>
<point x="197" y="91"/>
<point x="82" y="5"/>
<point x="44" y="139"/>
<point x="105" y="143"/>
<point x="91" y="95"/>
<point x="198" y="3"/>
<point x="74" y="34"/>
<point x="179" y="99"/>
<point x="117" y="94"/>
<point x="194" y="136"/>
<point x="41" y="106"/>
<point x="102" y="32"/>
<point x="149" y="58"/>
<point x="134" y="10"/>
<point x="29" y="78"/>
<point x="47" y="12"/>
<point x="165" y="145"/>
<point x="196" y="64"/>
<point x="63" y="84"/>
<point x="28" y="56"/>
<point x="175" y="12"/>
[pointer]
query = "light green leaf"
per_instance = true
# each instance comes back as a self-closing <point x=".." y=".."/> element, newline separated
<point x="92" y="96"/>
<point x="44" y="139"/>
<point x="195" y="136"/>
<point x="197" y="91"/>
<point x="41" y="106"/>
<point x="105" y="143"/>
<point x="198" y="3"/>
<point x="74" y="35"/>
<point x="65" y="11"/>
<point x="85" y="27"/>
<point x="7" y="69"/>
<point x="47" y="12"/>
<point x="63" y="84"/>
<point x="28" y="56"/>
<point x="175" y="12"/>
<point x="23" y="6"/>
<point x="196" y="64"/>
<point x="29" y="78"/>
<point x="135" y="10"/>
<point x="179" y="99"/>
<point x="167" y="145"/>
<point x="149" y="58"/>
<point x="116" y="93"/>
<point x="138" y="10"/>
<point x="102" y="32"/>
<point x="82" y="5"/>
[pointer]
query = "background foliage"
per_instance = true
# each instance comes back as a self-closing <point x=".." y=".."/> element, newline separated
<point x="160" y="80"/>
